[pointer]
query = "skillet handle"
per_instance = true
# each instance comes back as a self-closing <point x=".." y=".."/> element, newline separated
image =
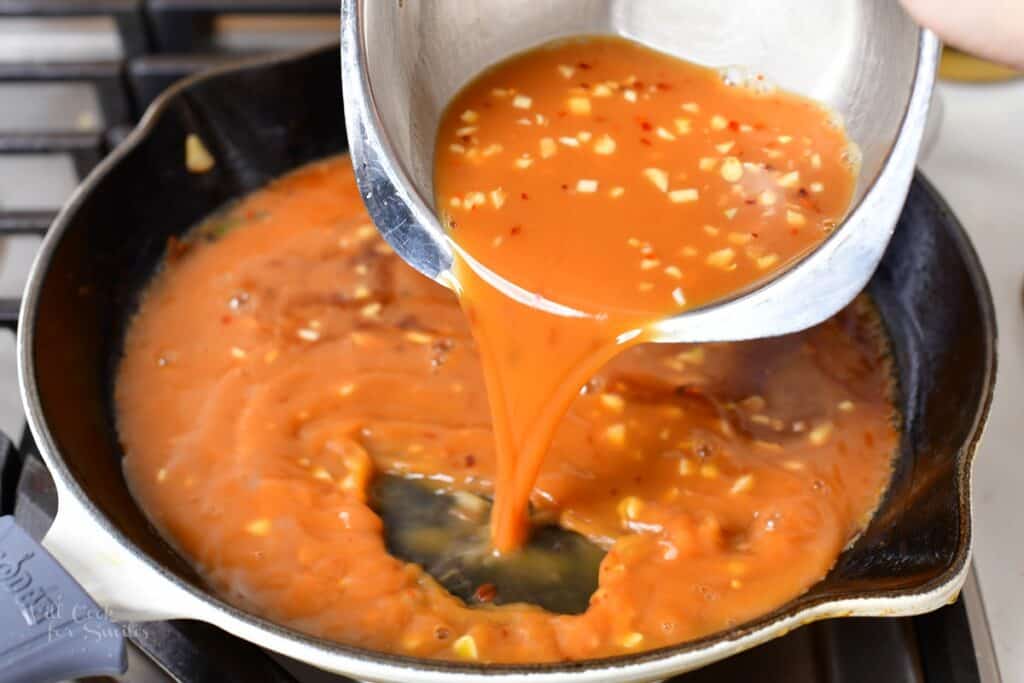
<point x="50" y="629"/>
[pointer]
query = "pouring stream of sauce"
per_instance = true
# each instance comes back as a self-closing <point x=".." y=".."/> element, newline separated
<point x="623" y="186"/>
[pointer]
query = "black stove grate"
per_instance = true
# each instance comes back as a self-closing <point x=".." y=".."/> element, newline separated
<point x="165" y="40"/>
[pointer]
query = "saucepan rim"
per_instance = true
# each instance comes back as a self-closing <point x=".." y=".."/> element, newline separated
<point x="390" y="193"/>
<point x="383" y="666"/>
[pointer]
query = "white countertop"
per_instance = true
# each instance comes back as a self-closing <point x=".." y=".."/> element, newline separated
<point x="977" y="162"/>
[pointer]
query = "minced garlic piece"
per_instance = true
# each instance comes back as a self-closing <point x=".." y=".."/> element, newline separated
<point x="197" y="157"/>
<point x="790" y="179"/>
<point x="613" y="402"/>
<point x="658" y="177"/>
<point x="465" y="648"/>
<point x="820" y="434"/>
<point x="731" y="170"/>
<point x="258" y="527"/>
<point x="721" y="258"/>
<point x="630" y="507"/>
<point x="742" y="484"/>
<point x="616" y="434"/>
<point x="417" y="337"/>
<point x="547" y="148"/>
<point x="522" y="102"/>
<point x="579" y="105"/>
<point x="631" y="640"/>
<point x="604" y="145"/>
<point x="498" y="197"/>
<point x="683" y="196"/>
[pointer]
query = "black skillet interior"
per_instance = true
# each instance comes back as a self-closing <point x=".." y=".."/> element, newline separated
<point x="259" y="122"/>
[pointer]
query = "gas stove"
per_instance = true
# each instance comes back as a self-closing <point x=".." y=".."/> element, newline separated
<point x="76" y="74"/>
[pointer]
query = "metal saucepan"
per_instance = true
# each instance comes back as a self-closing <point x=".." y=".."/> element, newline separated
<point x="866" y="59"/>
<point x="265" y="118"/>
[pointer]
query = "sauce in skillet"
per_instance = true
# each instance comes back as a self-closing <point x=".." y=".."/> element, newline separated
<point x="625" y="186"/>
<point x="284" y="357"/>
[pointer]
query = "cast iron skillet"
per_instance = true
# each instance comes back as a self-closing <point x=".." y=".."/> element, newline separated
<point x="268" y="117"/>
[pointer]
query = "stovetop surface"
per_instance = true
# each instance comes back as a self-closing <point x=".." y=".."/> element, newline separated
<point x="76" y="74"/>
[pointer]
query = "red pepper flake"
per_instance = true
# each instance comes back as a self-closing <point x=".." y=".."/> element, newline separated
<point x="583" y="65"/>
<point x="524" y="196"/>
<point x="225" y="319"/>
<point x="177" y="248"/>
<point x="645" y="141"/>
<point x="485" y="592"/>
<point x="663" y="86"/>
<point x="470" y="459"/>
<point x="515" y="230"/>
<point x="806" y="202"/>
<point x="564" y="186"/>
<point x="585" y="85"/>
<point x="441" y="633"/>
<point x="646" y="125"/>
<point x="734" y="126"/>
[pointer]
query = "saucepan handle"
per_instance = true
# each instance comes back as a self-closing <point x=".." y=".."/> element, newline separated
<point x="50" y="629"/>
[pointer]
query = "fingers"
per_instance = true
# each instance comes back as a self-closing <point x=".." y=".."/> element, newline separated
<point x="993" y="29"/>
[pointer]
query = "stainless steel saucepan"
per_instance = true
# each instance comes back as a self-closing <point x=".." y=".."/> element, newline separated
<point x="404" y="61"/>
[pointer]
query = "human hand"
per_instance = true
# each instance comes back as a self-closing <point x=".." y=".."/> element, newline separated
<point x="993" y="29"/>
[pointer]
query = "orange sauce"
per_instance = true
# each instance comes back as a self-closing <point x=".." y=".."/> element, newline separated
<point x="625" y="186"/>
<point x="284" y="357"/>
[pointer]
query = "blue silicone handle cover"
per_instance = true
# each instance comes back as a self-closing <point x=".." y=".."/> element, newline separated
<point x="50" y="629"/>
